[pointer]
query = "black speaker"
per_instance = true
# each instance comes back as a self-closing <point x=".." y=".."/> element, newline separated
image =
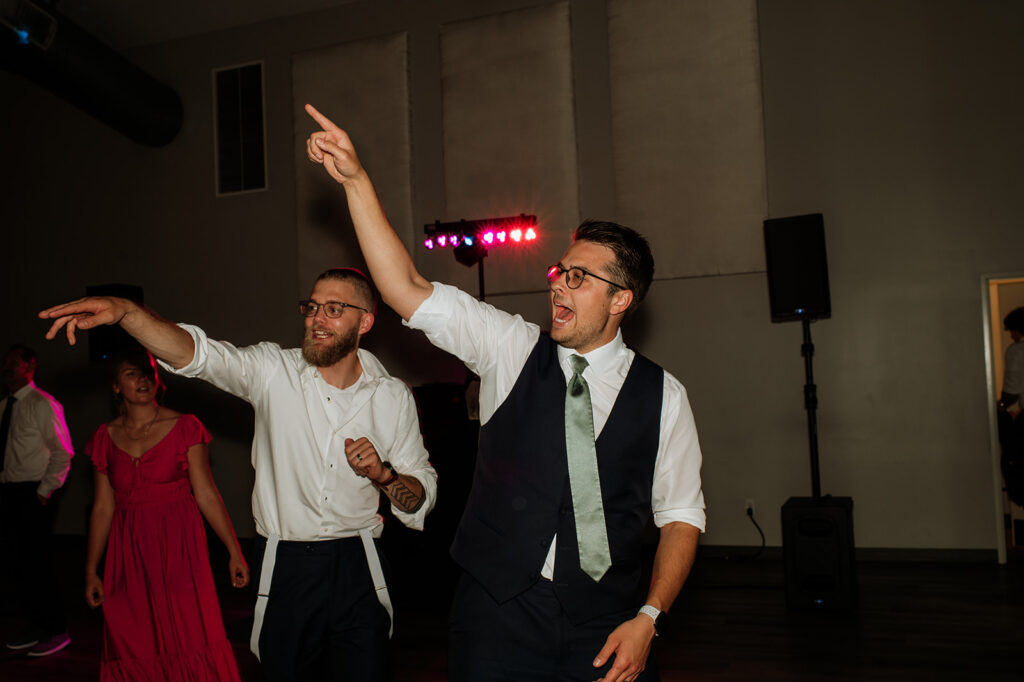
<point x="797" y="267"/>
<point x="106" y="341"/>
<point x="817" y="547"/>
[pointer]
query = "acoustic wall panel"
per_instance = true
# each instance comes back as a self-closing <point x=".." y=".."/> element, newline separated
<point x="363" y="87"/>
<point x="509" y="137"/>
<point x="688" y="139"/>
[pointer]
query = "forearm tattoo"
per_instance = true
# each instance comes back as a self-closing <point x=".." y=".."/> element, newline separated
<point x="404" y="497"/>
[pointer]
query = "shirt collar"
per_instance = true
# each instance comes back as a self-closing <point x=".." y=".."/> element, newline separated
<point x="600" y="359"/>
<point x="24" y="390"/>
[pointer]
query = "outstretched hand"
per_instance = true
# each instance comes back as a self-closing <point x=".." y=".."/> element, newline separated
<point x="332" y="148"/>
<point x="85" y="313"/>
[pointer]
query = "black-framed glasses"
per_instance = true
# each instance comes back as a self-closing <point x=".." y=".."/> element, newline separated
<point x="575" y="275"/>
<point x="331" y="308"/>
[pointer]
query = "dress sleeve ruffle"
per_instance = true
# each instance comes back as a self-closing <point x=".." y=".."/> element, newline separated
<point x="98" y="448"/>
<point x="191" y="432"/>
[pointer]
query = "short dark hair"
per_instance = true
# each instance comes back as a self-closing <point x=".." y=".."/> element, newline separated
<point x="25" y="353"/>
<point x="1014" y="320"/>
<point x="633" y="265"/>
<point x="356" y="278"/>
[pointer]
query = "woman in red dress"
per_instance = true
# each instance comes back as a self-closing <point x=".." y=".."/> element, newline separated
<point x="162" y="620"/>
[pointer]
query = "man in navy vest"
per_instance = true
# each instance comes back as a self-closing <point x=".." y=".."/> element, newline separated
<point x="547" y="592"/>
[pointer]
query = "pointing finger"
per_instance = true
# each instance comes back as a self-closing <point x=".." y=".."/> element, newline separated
<point x="324" y="122"/>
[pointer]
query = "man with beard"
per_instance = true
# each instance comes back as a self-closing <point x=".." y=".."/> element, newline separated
<point x="550" y="542"/>
<point x="333" y="430"/>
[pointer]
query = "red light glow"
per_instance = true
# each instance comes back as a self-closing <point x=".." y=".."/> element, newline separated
<point x="516" y="234"/>
<point x="489" y="237"/>
<point x="530" y="235"/>
<point x="501" y="236"/>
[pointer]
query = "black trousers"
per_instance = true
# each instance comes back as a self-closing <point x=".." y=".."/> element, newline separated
<point x="26" y="527"/>
<point x="526" y="639"/>
<point x="323" y="619"/>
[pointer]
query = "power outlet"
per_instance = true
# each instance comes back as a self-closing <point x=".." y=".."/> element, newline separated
<point x="748" y="507"/>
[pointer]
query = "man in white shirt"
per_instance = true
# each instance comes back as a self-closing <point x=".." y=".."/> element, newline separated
<point x="35" y="457"/>
<point x="333" y="430"/>
<point x="547" y="592"/>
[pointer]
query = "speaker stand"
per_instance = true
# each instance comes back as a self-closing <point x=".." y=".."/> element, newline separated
<point x="811" y="405"/>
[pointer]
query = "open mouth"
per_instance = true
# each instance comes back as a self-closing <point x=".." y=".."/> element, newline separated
<point x="562" y="315"/>
<point x="320" y="335"/>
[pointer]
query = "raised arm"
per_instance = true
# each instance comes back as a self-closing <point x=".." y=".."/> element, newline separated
<point x="165" y="340"/>
<point x="400" y="284"/>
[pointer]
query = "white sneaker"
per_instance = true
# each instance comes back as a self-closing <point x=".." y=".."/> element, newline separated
<point x="50" y="645"/>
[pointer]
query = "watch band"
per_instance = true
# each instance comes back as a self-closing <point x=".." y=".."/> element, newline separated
<point x="651" y="612"/>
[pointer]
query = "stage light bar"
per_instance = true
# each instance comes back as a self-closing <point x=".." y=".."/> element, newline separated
<point x="471" y="239"/>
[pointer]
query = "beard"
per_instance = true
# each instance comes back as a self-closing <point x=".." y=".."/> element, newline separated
<point x="320" y="355"/>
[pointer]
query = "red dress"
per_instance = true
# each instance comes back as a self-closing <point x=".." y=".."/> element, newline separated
<point x="162" y="620"/>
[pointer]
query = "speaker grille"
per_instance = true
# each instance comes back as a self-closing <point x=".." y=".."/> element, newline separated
<point x="797" y="267"/>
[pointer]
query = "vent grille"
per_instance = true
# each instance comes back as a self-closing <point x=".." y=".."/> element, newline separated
<point x="238" y="124"/>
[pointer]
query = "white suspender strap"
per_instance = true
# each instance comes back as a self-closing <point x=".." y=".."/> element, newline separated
<point x="377" y="573"/>
<point x="266" y="574"/>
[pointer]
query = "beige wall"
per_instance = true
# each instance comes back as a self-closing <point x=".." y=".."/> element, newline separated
<point x="898" y="121"/>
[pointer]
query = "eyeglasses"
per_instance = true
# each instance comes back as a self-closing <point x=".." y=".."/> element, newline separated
<point x="574" y="276"/>
<point x="331" y="308"/>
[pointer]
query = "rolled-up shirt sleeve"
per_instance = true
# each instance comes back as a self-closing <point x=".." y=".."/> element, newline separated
<point x="676" y="494"/>
<point x="409" y="457"/>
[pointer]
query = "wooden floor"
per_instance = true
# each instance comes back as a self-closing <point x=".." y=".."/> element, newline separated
<point x="915" y="621"/>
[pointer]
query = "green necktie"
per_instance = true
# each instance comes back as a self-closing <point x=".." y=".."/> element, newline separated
<point x="591" y="534"/>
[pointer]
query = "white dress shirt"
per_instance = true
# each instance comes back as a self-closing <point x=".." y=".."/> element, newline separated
<point x="305" y="489"/>
<point x="1013" y="373"/>
<point x="38" y="443"/>
<point x="495" y="345"/>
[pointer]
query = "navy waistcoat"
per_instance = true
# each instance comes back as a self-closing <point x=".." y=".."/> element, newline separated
<point x="521" y="497"/>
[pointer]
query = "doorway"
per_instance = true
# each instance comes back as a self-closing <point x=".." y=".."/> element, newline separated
<point x="1001" y="294"/>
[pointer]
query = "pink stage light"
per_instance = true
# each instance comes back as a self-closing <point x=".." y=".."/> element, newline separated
<point x="501" y="236"/>
<point x="442" y="240"/>
<point x="429" y="243"/>
<point x="453" y="240"/>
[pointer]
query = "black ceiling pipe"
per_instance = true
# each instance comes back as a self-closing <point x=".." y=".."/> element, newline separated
<point x="54" y="53"/>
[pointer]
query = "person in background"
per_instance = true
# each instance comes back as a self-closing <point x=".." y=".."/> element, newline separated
<point x="1011" y="406"/>
<point x="152" y="480"/>
<point x="35" y="456"/>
